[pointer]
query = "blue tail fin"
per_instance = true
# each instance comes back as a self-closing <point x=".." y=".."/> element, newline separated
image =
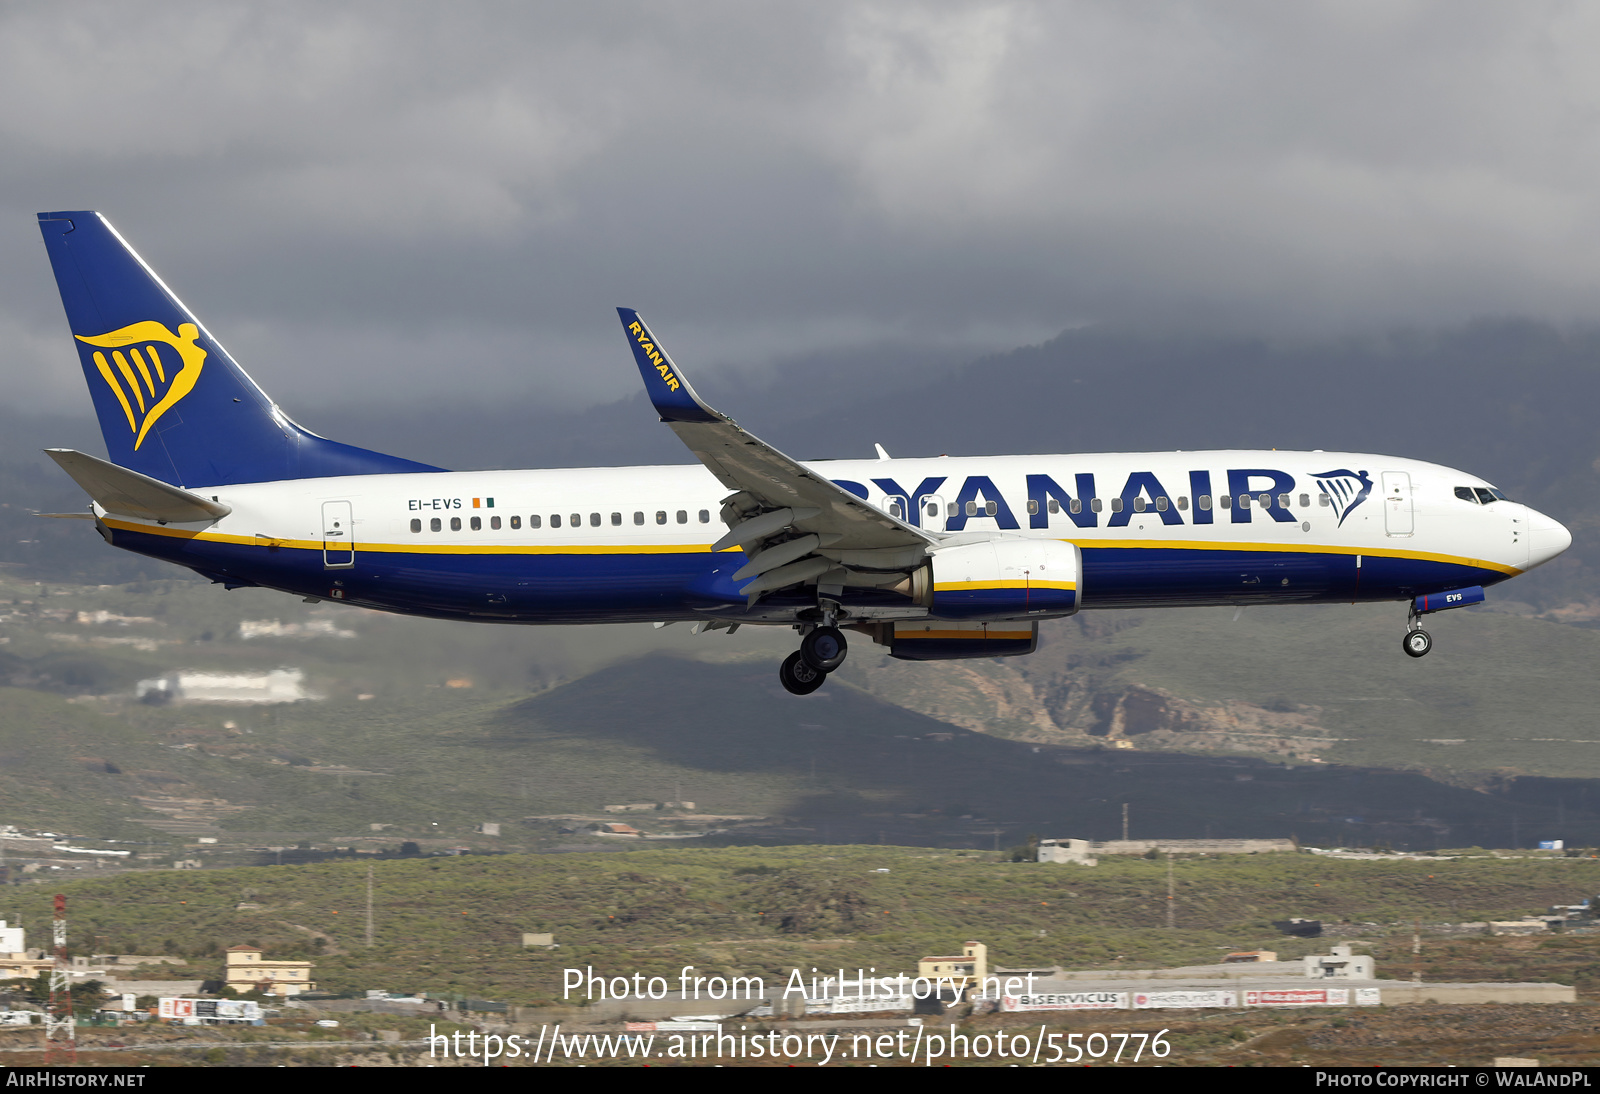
<point x="172" y="404"/>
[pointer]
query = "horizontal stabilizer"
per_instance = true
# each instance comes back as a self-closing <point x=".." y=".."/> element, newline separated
<point x="125" y="493"/>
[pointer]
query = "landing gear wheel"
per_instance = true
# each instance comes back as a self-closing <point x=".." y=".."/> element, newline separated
<point x="798" y="676"/>
<point x="1417" y="643"/>
<point x="824" y="648"/>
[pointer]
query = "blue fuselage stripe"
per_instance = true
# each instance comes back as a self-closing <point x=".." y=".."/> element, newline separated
<point x="630" y="587"/>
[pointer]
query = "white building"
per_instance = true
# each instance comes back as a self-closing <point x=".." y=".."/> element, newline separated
<point x="1341" y="964"/>
<point x="1067" y="850"/>
<point x="276" y="686"/>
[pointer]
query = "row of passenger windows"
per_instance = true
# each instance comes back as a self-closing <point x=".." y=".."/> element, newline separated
<point x="574" y="520"/>
<point x="1096" y="505"/>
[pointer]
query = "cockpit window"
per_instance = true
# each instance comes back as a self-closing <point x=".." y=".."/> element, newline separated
<point x="1465" y="494"/>
<point x="1485" y="496"/>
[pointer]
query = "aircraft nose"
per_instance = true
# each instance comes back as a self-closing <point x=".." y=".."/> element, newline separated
<point x="1547" y="538"/>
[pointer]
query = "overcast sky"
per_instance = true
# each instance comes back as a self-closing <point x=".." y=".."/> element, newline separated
<point x="438" y="201"/>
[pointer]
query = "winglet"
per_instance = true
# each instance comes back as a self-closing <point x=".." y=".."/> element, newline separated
<point x="669" y="389"/>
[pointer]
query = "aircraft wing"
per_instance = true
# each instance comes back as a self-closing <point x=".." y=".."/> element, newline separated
<point x="771" y="492"/>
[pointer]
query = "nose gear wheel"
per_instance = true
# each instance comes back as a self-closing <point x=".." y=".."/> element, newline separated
<point x="1417" y="643"/>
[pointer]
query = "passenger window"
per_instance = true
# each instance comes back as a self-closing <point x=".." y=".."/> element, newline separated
<point x="594" y="520"/>
<point x="1055" y="506"/>
<point x="516" y="522"/>
<point x="477" y="524"/>
<point x="1244" y="501"/>
<point x="1283" y="501"/>
<point x="1033" y="506"/>
<point x="1076" y="505"/>
<point x="953" y="509"/>
<point x="1183" y="502"/>
<point x="1265" y="501"/>
<point x="455" y="524"/>
<point x="416" y="525"/>
<point x="494" y="523"/>
<point x="1161" y="505"/>
<point x="576" y="520"/>
<point x="705" y="516"/>
<point x="972" y="508"/>
<point x="1225" y="500"/>
<point x="1095" y="504"/>
<point x="1116" y="505"/>
<point x="1203" y="501"/>
<point x="1324" y="500"/>
<point x="1305" y="500"/>
<point x="638" y="517"/>
<point x="534" y="521"/>
<point x="1138" y="505"/>
<point x="894" y="508"/>
<point x="661" y="516"/>
<point x="991" y="508"/>
<point x="683" y="516"/>
<point x="434" y="525"/>
<point x="555" y="520"/>
<point x="933" y="510"/>
<point x="616" y="520"/>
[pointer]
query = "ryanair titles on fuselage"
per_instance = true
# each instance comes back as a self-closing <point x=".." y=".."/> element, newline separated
<point x="1142" y="494"/>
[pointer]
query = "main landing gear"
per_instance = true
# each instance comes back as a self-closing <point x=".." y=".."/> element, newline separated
<point x="821" y="651"/>
<point x="1417" y="641"/>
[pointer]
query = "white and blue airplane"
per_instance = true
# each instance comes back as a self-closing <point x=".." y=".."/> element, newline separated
<point x="942" y="558"/>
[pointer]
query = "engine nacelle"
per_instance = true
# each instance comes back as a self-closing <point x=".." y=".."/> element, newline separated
<point x="1005" y="578"/>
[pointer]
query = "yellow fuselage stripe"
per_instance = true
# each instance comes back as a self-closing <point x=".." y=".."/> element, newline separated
<point x="942" y="586"/>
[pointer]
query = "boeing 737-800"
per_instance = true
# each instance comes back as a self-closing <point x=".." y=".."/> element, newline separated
<point x="933" y="558"/>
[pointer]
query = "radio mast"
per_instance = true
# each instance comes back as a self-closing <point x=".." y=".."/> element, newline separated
<point x="60" y="1031"/>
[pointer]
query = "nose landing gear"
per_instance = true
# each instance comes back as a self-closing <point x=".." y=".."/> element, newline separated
<point x="1417" y="642"/>
<point x="821" y="651"/>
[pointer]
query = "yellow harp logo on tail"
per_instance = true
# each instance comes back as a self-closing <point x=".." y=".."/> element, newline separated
<point x="158" y="369"/>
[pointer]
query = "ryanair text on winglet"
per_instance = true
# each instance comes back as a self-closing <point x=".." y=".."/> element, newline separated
<point x="651" y="352"/>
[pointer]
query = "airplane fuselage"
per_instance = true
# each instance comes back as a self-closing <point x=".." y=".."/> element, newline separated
<point x="631" y="544"/>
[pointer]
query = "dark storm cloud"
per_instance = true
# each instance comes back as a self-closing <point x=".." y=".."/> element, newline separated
<point x="447" y="199"/>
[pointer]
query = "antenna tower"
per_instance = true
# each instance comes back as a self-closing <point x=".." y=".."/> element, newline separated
<point x="60" y="1032"/>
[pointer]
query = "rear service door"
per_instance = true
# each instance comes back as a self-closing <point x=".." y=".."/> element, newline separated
<point x="338" y="536"/>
